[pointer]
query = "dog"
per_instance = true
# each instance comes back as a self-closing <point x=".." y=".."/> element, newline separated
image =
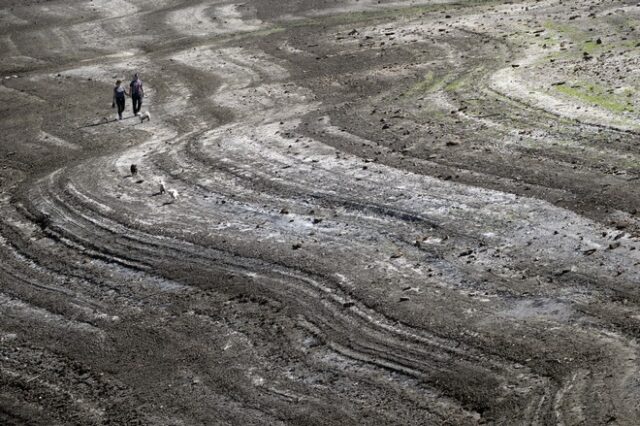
<point x="173" y="193"/>
<point x="145" y="116"/>
<point x="134" y="170"/>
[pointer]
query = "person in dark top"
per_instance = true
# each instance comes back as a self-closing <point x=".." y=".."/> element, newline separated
<point x="119" y="94"/>
<point x="137" y="93"/>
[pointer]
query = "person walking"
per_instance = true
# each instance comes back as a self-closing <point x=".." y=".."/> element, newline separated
<point x="119" y="94"/>
<point x="137" y="93"/>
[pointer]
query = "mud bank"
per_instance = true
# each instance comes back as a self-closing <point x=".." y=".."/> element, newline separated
<point x="387" y="212"/>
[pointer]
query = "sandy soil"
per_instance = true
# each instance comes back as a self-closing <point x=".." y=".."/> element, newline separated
<point x="388" y="212"/>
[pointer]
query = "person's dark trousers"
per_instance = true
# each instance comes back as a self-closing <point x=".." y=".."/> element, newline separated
<point x="120" y="103"/>
<point x="137" y="103"/>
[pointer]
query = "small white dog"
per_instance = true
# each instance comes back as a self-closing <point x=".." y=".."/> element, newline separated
<point x="145" y="116"/>
<point x="173" y="193"/>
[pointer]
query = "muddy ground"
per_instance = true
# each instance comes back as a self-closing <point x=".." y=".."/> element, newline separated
<point x="388" y="212"/>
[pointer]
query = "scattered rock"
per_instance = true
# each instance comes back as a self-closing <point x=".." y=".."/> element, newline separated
<point x="43" y="221"/>
<point x="621" y="225"/>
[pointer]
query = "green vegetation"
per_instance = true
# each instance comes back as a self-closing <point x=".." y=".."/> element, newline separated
<point x="429" y="84"/>
<point x="591" y="47"/>
<point x="468" y="79"/>
<point x="578" y="41"/>
<point x="596" y="95"/>
<point x="258" y="33"/>
<point x="573" y="32"/>
<point x="582" y="41"/>
<point x="456" y="84"/>
<point x="449" y="82"/>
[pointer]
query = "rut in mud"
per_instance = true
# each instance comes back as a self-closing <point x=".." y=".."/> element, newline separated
<point x="387" y="212"/>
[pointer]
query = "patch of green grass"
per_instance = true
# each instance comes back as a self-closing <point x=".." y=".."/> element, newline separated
<point x="263" y="32"/>
<point x="448" y="82"/>
<point x="582" y="40"/>
<point x="468" y="79"/>
<point x="630" y="163"/>
<point x="269" y="31"/>
<point x="429" y="84"/>
<point x="591" y="47"/>
<point x="630" y="44"/>
<point x="575" y="51"/>
<point x="595" y="95"/>
<point x="574" y="33"/>
<point x="456" y="85"/>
